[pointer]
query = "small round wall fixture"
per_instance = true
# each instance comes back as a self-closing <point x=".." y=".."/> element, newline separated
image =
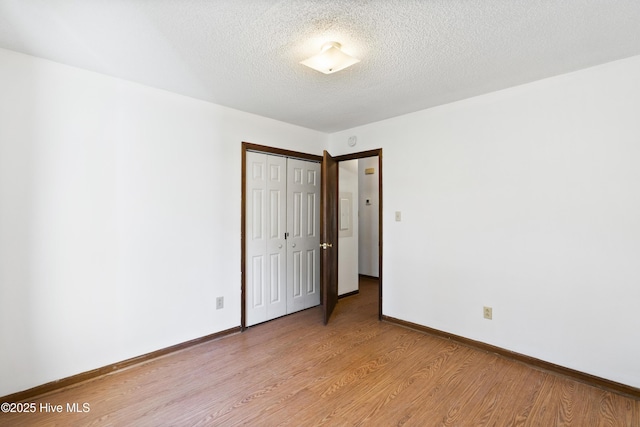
<point x="352" y="141"/>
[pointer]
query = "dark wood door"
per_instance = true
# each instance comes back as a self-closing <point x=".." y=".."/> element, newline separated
<point x="329" y="235"/>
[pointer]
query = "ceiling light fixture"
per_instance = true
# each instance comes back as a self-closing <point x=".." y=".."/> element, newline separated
<point x="330" y="59"/>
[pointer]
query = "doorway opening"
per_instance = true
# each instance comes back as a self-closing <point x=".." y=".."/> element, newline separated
<point x="360" y="222"/>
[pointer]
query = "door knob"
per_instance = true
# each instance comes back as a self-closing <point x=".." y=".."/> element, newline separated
<point x="326" y="245"/>
<point x="293" y="245"/>
<point x="279" y="246"/>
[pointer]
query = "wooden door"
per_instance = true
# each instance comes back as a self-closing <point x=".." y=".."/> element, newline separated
<point x="329" y="234"/>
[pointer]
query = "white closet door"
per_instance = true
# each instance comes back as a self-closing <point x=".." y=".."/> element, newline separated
<point x="265" y="244"/>
<point x="303" y="225"/>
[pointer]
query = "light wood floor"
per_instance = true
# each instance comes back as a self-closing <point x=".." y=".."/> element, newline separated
<point x="295" y="371"/>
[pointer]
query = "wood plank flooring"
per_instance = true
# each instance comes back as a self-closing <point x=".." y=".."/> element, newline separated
<point x="294" y="371"/>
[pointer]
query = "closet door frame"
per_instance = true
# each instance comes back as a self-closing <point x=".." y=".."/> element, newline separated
<point x="247" y="146"/>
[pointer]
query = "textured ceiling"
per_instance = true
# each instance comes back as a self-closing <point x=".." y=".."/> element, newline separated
<point x="245" y="54"/>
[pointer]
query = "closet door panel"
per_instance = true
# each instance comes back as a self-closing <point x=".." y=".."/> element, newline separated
<point x="256" y="239"/>
<point x="265" y="242"/>
<point x="276" y="244"/>
<point x="303" y="256"/>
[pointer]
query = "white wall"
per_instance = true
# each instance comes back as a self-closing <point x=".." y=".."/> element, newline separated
<point x="526" y="200"/>
<point x="348" y="239"/>
<point x="369" y="233"/>
<point x="119" y="217"/>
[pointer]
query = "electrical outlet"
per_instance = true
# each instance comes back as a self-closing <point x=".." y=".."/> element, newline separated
<point x="488" y="313"/>
<point x="219" y="303"/>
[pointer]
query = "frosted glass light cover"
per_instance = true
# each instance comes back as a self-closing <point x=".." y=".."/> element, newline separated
<point x="330" y="60"/>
